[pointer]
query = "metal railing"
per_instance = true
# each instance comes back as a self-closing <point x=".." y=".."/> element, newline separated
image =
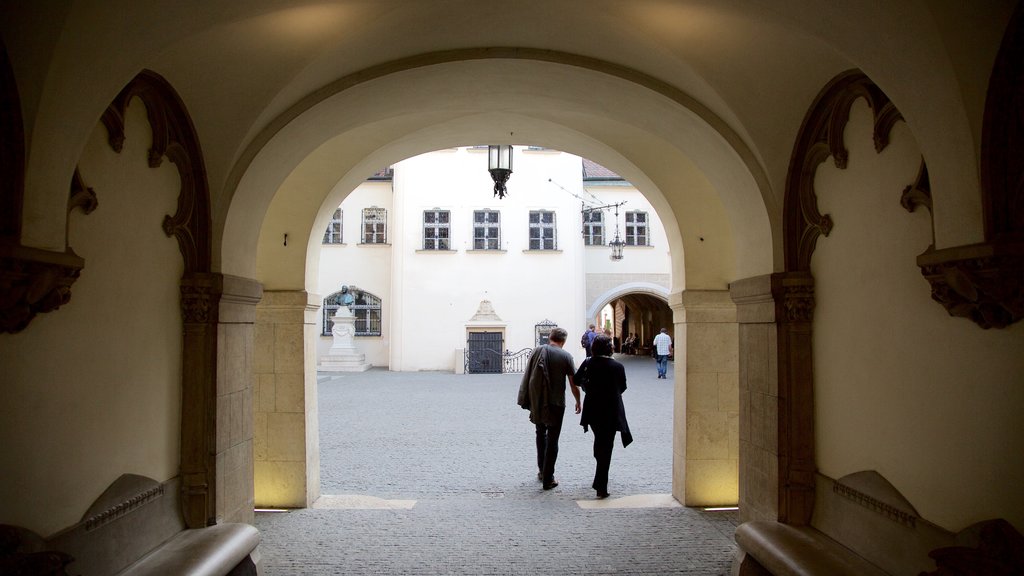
<point x="486" y="361"/>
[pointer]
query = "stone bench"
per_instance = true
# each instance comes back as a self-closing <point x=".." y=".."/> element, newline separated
<point x="135" y="529"/>
<point x="863" y="526"/>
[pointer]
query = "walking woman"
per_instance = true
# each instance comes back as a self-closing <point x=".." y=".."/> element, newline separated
<point x="603" y="380"/>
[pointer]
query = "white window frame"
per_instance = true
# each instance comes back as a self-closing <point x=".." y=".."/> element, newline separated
<point x="437" y="229"/>
<point x="638" y="228"/>
<point x="491" y="237"/>
<point x="543" y="235"/>
<point x="593" y="228"/>
<point x="375" y="225"/>
<point x="333" y="234"/>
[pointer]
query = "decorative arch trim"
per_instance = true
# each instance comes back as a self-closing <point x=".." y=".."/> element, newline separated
<point x="681" y="97"/>
<point x="174" y="136"/>
<point x="821" y="136"/>
<point x="621" y="290"/>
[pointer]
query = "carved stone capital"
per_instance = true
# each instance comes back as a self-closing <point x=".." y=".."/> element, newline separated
<point x="200" y="298"/>
<point x="981" y="282"/>
<point x="33" y="281"/>
<point x="794" y="297"/>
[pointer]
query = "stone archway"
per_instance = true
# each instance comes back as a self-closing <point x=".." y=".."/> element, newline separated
<point x="685" y="199"/>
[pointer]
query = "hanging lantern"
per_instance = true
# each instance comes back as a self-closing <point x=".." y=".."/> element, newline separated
<point x="499" y="164"/>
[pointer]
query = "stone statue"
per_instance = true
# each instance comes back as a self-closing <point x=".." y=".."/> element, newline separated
<point x="346" y="297"/>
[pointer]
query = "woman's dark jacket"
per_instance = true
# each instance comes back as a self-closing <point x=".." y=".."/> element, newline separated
<point x="605" y="381"/>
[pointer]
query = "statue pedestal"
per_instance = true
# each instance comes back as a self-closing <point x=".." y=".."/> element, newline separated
<point x="343" y="356"/>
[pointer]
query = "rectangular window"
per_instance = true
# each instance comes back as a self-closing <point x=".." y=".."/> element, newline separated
<point x="542" y="230"/>
<point x="486" y="230"/>
<point x="436" y="230"/>
<point x="375" y="222"/>
<point x="636" y="228"/>
<point x="593" y="228"/>
<point x="333" y="233"/>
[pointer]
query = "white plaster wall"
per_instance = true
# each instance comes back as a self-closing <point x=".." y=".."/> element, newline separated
<point x="651" y="259"/>
<point x="366" y="266"/>
<point x="92" y="390"/>
<point x="433" y="295"/>
<point x="901" y="387"/>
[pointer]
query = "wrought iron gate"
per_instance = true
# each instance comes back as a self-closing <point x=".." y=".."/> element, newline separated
<point x="484" y="355"/>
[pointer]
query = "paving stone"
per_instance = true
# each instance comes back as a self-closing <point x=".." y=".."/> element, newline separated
<point x="464" y="451"/>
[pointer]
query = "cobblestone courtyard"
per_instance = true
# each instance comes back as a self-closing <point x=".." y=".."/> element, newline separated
<point x="458" y="450"/>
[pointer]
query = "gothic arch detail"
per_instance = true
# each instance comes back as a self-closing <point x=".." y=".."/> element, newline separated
<point x="821" y="136"/>
<point x="174" y="136"/>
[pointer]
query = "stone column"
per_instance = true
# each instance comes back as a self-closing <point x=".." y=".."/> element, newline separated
<point x="706" y="419"/>
<point x="776" y="397"/>
<point x="759" y="398"/>
<point x="287" y="466"/>
<point x="235" y="342"/>
<point x="216" y="398"/>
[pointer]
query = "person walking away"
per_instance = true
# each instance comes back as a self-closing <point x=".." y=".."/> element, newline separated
<point x="603" y="380"/>
<point x="542" y="392"/>
<point x="662" y="350"/>
<point x="588" y="339"/>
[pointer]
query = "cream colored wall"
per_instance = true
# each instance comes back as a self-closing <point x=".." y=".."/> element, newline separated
<point x="651" y="259"/>
<point x="365" y="266"/>
<point x="931" y="402"/>
<point x="92" y="390"/>
<point x="437" y="293"/>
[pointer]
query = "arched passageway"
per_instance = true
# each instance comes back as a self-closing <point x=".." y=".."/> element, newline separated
<point x="710" y="196"/>
<point x="699" y="104"/>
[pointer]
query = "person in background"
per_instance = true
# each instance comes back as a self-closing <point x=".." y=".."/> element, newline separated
<point x="604" y="381"/>
<point x="662" y="350"/>
<point x="588" y="339"/>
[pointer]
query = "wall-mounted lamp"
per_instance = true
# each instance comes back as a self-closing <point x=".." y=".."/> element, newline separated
<point x="616" y="244"/>
<point x="499" y="164"/>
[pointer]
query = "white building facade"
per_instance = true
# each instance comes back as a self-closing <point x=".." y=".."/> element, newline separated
<point x="467" y="266"/>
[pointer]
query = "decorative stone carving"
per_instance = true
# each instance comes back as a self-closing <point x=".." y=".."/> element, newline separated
<point x="919" y="193"/>
<point x="983" y="282"/>
<point x="485" y="313"/>
<point x="999" y="551"/>
<point x="32" y="282"/>
<point x="81" y="196"/>
<point x="175" y="137"/>
<point x="821" y="136"/>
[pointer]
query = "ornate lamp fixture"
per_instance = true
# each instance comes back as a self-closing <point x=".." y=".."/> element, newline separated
<point x="616" y="242"/>
<point x="499" y="164"/>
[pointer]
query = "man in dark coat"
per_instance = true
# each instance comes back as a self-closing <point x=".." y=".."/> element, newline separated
<point x="542" y="392"/>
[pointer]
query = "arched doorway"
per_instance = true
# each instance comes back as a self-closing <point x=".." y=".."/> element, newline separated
<point x="331" y="159"/>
